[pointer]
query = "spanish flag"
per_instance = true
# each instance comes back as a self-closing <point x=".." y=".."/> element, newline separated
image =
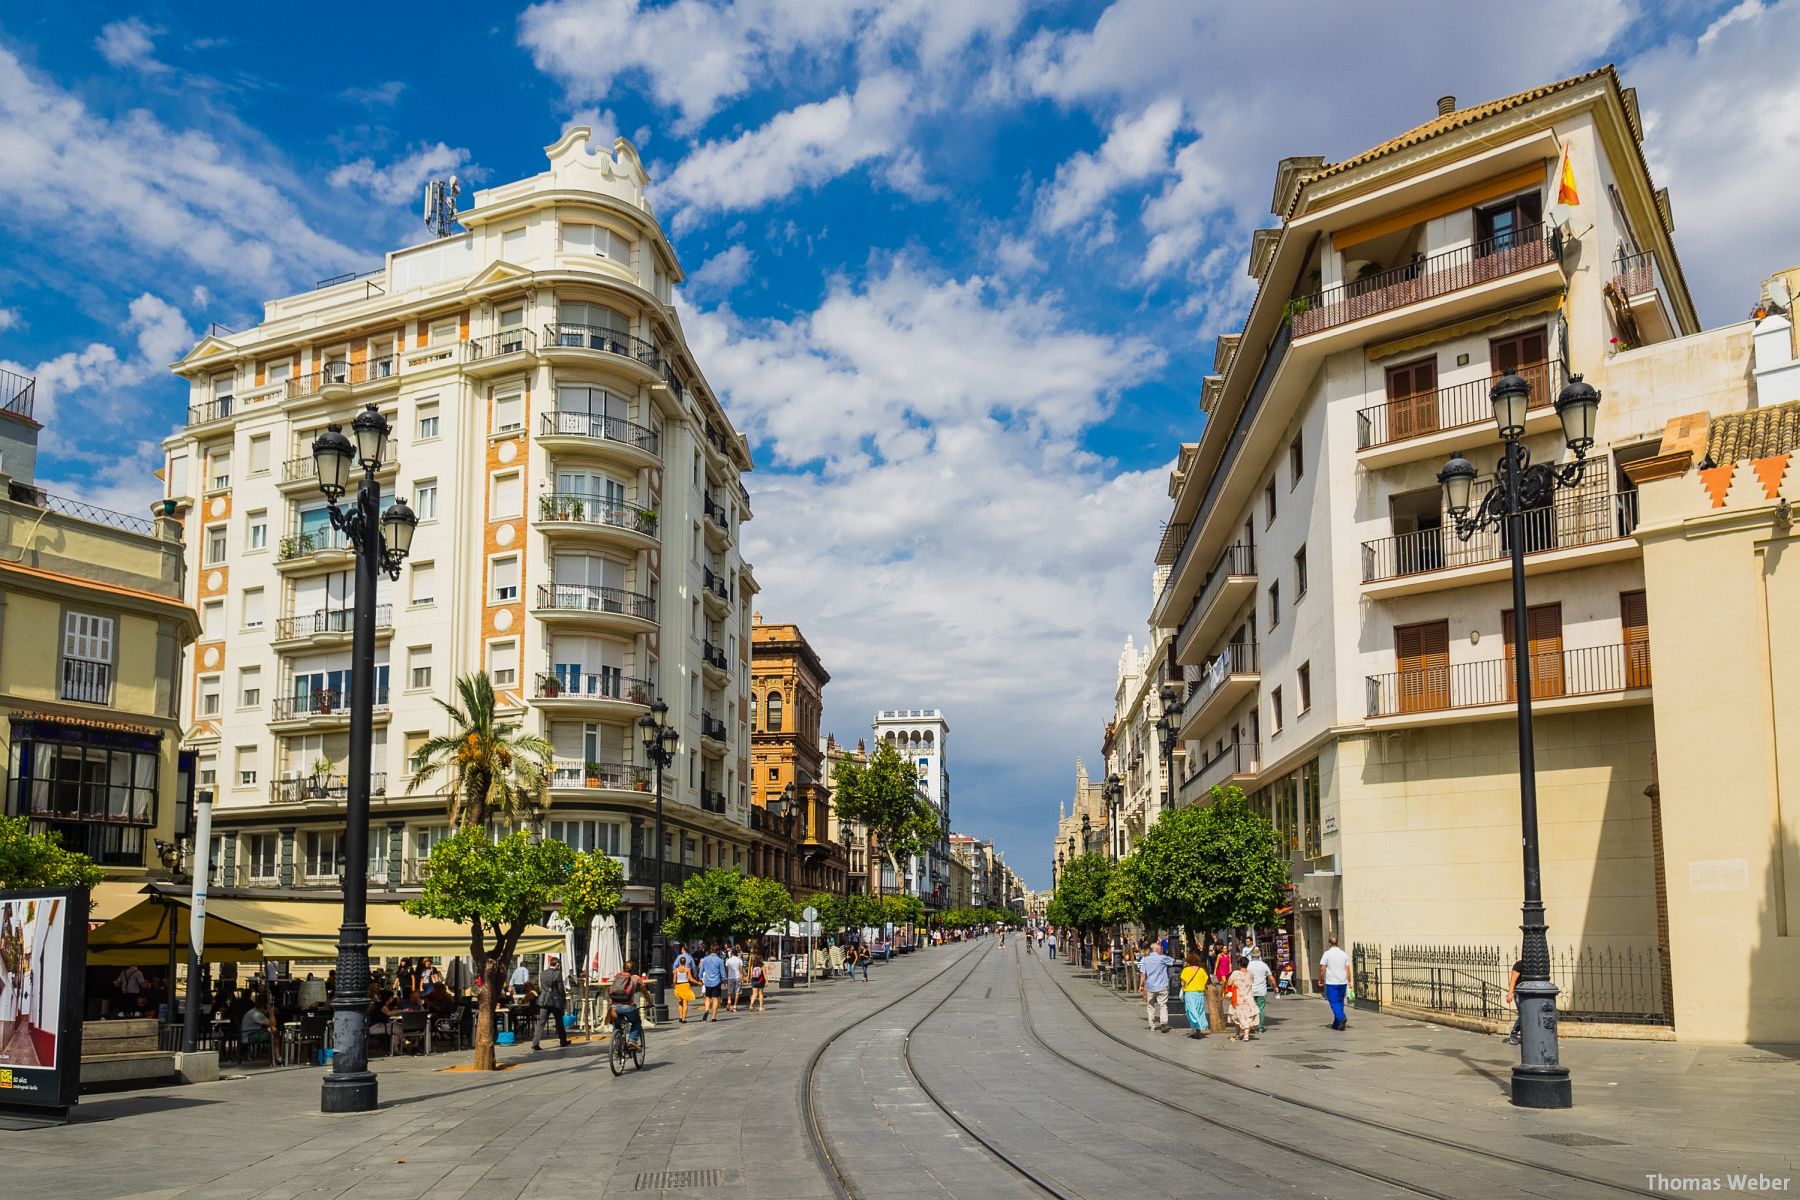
<point x="1565" y="180"/>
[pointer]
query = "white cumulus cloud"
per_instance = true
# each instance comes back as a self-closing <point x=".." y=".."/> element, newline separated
<point x="403" y="178"/>
<point x="130" y="44"/>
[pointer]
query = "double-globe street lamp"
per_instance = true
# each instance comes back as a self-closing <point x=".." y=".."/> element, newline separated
<point x="381" y="542"/>
<point x="1539" y="1080"/>
<point x="1114" y="792"/>
<point x="1167" y="726"/>
<point x="661" y="741"/>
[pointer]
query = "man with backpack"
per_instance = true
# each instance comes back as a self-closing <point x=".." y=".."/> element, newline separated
<point x="552" y="999"/>
<point x="622" y="992"/>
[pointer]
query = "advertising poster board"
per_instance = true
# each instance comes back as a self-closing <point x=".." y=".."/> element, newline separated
<point x="43" y="956"/>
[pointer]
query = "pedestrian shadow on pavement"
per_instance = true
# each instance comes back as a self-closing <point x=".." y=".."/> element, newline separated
<point x="115" y="1108"/>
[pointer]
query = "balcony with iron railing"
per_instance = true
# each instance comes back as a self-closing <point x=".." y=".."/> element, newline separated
<point x="617" y="776"/>
<point x="711" y="728"/>
<point x="715" y="512"/>
<point x="302" y="546"/>
<point x="300" y="475"/>
<point x="1230" y="676"/>
<point x="717" y="591"/>
<point x="321" y="787"/>
<point x="1427" y="278"/>
<point x="1635" y="296"/>
<point x="1231" y="581"/>
<point x="86" y="682"/>
<point x="713" y="656"/>
<point x="329" y="623"/>
<point x="602" y="429"/>
<point x="343" y="373"/>
<point x="1583" y="677"/>
<point x="1381" y="429"/>
<point x="319" y="702"/>
<point x="570" y="687"/>
<point x="596" y="600"/>
<point x="712" y="800"/>
<point x="219" y="408"/>
<point x="18" y="395"/>
<point x="1576" y="529"/>
<point x="499" y="351"/>
<point x="565" y="336"/>
<point x="1237" y="763"/>
<point x="580" y="511"/>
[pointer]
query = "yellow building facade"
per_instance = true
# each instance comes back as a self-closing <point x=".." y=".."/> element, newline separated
<point x="787" y="699"/>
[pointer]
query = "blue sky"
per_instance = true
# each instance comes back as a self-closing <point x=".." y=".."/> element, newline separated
<point x="956" y="268"/>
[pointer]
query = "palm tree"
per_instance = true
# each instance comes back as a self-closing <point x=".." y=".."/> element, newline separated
<point x="493" y="768"/>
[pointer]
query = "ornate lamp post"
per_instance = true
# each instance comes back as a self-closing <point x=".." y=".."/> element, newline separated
<point x="661" y="740"/>
<point x="845" y="832"/>
<point x="381" y="542"/>
<point x="1087" y="829"/>
<point x="1114" y="792"/>
<point x="1539" y="1080"/>
<point x="784" y="806"/>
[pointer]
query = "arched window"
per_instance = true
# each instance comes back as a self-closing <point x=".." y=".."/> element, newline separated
<point x="774" y="712"/>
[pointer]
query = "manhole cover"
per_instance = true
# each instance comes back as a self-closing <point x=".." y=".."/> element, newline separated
<point x="672" y="1181"/>
<point x="1574" y="1139"/>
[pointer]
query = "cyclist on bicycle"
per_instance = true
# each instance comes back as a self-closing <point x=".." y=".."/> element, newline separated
<point x="623" y="993"/>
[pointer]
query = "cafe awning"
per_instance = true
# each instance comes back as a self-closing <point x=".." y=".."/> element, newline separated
<point x="112" y="897"/>
<point x="246" y="930"/>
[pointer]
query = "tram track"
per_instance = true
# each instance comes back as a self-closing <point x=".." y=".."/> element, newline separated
<point x="1320" y="1109"/>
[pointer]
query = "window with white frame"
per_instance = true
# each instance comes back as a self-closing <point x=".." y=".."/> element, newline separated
<point x="503" y="663"/>
<point x="212" y="620"/>
<point x="381" y="845"/>
<point x="512" y="244"/>
<point x="210" y="695"/>
<point x="324" y="853"/>
<point x="206" y="771"/>
<point x="509" y="497"/>
<point x="443" y="333"/>
<point x="259" y="454"/>
<point x="262" y="856"/>
<point x="215" y="544"/>
<point x="278" y="370"/>
<point x="585" y="836"/>
<point x="509" y="411"/>
<point x="256" y="529"/>
<point x="218" y="469"/>
<point x="418" y="667"/>
<point x="504" y="578"/>
<point x="249" y="687"/>
<point x="424" y="503"/>
<point x="424" y="583"/>
<point x="247" y="766"/>
<point x="428" y="421"/>
<point x="253" y="608"/>
<point x="581" y="238"/>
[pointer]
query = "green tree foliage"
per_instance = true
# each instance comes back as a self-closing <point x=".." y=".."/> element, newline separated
<point x="1079" y="901"/>
<point x="33" y="860"/>
<point x="901" y="910"/>
<point x="497" y="888"/>
<point x="1209" y="867"/>
<point x="725" y="903"/>
<point x="493" y="769"/>
<point x="884" y="797"/>
<point x="967" y="918"/>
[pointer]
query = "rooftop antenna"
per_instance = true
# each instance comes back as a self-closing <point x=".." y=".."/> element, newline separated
<point x="440" y="205"/>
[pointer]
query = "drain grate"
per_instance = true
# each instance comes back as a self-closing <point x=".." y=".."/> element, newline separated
<point x="1574" y="1139"/>
<point x="673" y="1181"/>
<point x="723" y="1050"/>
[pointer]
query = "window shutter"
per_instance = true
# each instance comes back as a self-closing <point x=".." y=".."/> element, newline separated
<point x="1634" y="618"/>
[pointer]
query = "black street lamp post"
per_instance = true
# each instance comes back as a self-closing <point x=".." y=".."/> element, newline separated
<point x="660" y="743"/>
<point x="381" y="542"/>
<point x="845" y="832"/>
<point x="1539" y="1080"/>
<point x="784" y="806"/>
<point x="1167" y="726"/>
<point x="1114" y="792"/>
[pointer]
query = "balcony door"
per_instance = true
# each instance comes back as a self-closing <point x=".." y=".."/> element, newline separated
<point x="1524" y="354"/>
<point x="1412" y="407"/>
<point x="1507" y="224"/>
<point x="1634" y="619"/>
<point x="1545" y="650"/>
<point x="1423" y="652"/>
<point x="590" y="581"/>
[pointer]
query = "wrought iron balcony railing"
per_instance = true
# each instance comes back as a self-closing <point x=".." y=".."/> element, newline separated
<point x="86" y="682"/>
<point x="712" y="727"/>
<point x="593" y="337"/>
<point x="319" y="702"/>
<point x="1584" y="671"/>
<point x="329" y="620"/>
<point x="713" y="655"/>
<point x="1454" y="407"/>
<point x="561" y="684"/>
<point x="1426" y="278"/>
<point x="518" y="340"/>
<point x="594" y="598"/>
<point x="321" y="787"/>
<point x="312" y="541"/>
<point x="1571" y="520"/>
<point x="566" y="423"/>
<point x="580" y="508"/>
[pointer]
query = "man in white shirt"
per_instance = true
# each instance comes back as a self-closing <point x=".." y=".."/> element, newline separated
<point x="734" y="977"/>
<point x="519" y="980"/>
<point x="1334" y="977"/>
<point x="1259" y="987"/>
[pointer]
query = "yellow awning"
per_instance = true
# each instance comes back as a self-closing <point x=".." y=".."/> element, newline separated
<point x="244" y="930"/>
<point x="113" y="897"/>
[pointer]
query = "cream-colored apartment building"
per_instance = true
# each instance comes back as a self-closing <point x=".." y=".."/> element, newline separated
<point x="1132" y="744"/>
<point x="1346" y="657"/>
<point x="578" y="491"/>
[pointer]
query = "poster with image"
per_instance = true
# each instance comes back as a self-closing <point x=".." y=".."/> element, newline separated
<point x="42" y="952"/>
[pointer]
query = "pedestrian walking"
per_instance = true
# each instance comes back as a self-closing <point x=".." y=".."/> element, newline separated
<point x="1334" y="978"/>
<point x="712" y="978"/>
<point x="1193" y="994"/>
<point x="1259" y="987"/>
<point x="516" y="984"/>
<point x="863" y="956"/>
<point x="1216" y="974"/>
<point x="1050" y="941"/>
<point x="759" y="979"/>
<point x="684" y="987"/>
<point x="1243" y="1002"/>
<point x="734" y="978"/>
<point x="1512" y="983"/>
<point x="1154" y="968"/>
<point x="552" y="999"/>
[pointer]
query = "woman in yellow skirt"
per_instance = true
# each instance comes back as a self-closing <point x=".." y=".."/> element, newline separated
<point x="684" y="989"/>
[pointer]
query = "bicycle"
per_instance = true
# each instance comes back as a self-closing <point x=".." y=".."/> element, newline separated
<point x="623" y="1047"/>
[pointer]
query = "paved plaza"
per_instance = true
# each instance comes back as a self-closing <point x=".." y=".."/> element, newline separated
<point x="986" y="1073"/>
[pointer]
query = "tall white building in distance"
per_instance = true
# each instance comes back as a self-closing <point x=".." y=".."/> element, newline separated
<point x="578" y="491"/>
<point x="922" y="736"/>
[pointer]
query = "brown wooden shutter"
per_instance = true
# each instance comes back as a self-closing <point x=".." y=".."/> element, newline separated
<point x="1544" y="649"/>
<point x="1634" y="617"/>
<point x="1412" y="399"/>
<point x="1424" y="656"/>
<point x="1524" y="354"/>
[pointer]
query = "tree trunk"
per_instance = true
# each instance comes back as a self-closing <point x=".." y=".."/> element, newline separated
<point x="487" y="976"/>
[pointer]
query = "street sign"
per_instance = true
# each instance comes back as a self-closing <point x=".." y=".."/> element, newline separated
<point x="809" y="914"/>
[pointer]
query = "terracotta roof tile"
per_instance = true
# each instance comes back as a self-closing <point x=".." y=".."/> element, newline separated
<point x="1754" y="433"/>
<point x="1453" y="120"/>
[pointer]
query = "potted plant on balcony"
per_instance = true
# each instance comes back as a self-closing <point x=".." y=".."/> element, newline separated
<point x="549" y="685"/>
<point x="321" y="771"/>
<point x="591" y="776"/>
<point x="646" y="521"/>
<point x="638" y="693"/>
<point x="640" y="779"/>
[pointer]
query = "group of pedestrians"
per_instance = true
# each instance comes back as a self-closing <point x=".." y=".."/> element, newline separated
<point x="1221" y="985"/>
<point x="721" y="974"/>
